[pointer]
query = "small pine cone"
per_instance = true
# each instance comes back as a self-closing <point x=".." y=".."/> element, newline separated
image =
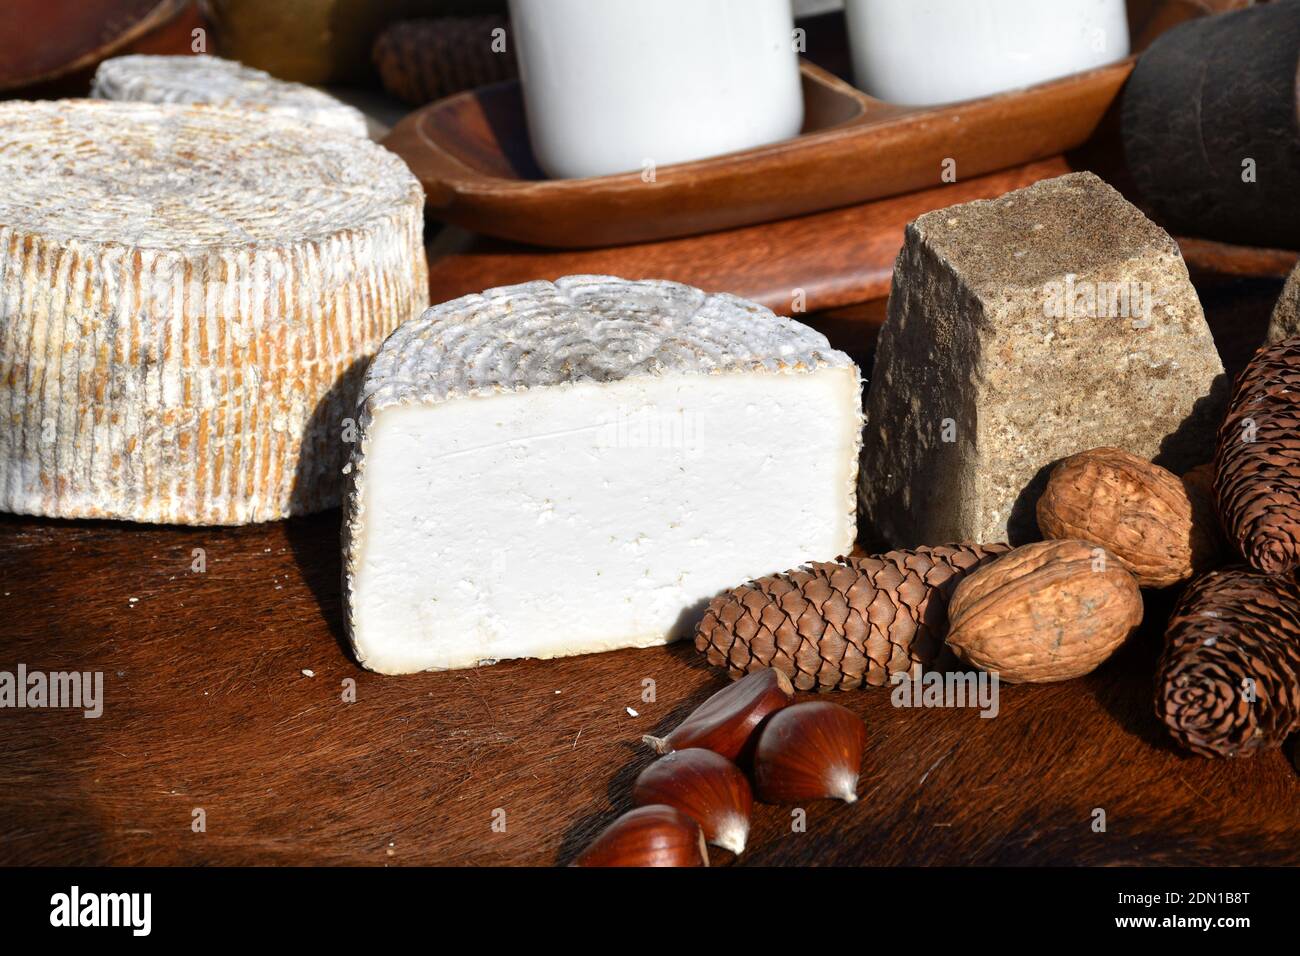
<point x="1257" y="464"/>
<point x="420" y="61"/>
<point x="1229" y="678"/>
<point x="836" y="625"/>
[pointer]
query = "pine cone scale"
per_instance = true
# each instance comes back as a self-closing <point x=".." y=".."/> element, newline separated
<point x="882" y="610"/>
<point x="836" y="612"/>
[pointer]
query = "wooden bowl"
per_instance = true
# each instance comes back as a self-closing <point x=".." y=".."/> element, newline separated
<point x="472" y="154"/>
<point x="41" y="42"/>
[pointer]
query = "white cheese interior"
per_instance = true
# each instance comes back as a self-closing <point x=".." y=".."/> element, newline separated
<point x="593" y="516"/>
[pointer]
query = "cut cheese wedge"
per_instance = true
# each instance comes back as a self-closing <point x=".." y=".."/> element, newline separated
<point x="217" y="82"/>
<point x="187" y="302"/>
<point x="554" y="469"/>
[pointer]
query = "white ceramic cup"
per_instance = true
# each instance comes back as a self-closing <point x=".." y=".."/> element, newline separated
<point x="923" y="52"/>
<point x="613" y="86"/>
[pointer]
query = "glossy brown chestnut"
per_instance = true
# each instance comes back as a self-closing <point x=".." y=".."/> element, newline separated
<point x="707" y="787"/>
<point x="656" y="835"/>
<point x="725" y="722"/>
<point x="809" y="752"/>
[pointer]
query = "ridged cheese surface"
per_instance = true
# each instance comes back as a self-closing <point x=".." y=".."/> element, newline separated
<point x="217" y="82"/>
<point x="187" y="300"/>
<point x="584" y="329"/>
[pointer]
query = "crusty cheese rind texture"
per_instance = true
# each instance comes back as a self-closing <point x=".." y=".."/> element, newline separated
<point x="217" y="82"/>
<point x="186" y="305"/>
<point x="554" y="335"/>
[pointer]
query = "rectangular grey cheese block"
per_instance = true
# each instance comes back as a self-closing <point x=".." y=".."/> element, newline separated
<point x="1021" y="330"/>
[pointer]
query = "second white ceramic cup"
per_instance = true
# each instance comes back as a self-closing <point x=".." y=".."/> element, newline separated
<point x="923" y="52"/>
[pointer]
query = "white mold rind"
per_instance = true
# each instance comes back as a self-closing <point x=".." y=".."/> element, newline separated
<point x="216" y="82"/>
<point x="187" y="303"/>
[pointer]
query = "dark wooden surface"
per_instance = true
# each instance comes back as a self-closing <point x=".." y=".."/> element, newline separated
<point x="1226" y="259"/>
<point x="838" y="259"/>
<point x="207" y="707"/>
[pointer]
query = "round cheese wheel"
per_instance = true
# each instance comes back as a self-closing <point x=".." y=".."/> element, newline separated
<point x="187" y="301"/>
<point x="218" y="82"/>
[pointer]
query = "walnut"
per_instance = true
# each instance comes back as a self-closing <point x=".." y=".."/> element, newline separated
<point x="1159" y="527"/>
<point x="1047" y="611"/>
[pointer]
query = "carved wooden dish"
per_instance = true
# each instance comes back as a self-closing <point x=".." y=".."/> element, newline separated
<point x="471" y="152"/>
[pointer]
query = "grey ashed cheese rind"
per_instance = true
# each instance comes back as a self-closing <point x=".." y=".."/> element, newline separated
<point x="578" y="329"/>
<point x="217" y="82"/>
<point x="186" y="302"/>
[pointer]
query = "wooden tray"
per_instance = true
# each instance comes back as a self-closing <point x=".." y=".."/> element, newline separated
<point x="471" y="153"/>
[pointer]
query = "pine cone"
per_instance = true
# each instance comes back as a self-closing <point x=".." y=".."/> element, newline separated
<point x="1234" y="635"/>
<point x="420" y="61"/>
<point x="842" y="624"/>
<point x="1257" y="464"/>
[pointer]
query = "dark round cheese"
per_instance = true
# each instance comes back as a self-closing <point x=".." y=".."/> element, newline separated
<point x="1211" y="130"/>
